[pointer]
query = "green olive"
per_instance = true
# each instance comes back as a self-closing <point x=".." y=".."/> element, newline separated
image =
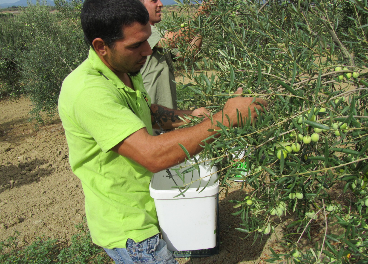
<point x="295" y="147"/>
<point x="314" y="137"/>
<point x="335" y="126"/>
<point x="311" y="215"/>
<point x="267" y="230"/>
<point x="279" y="211"/>
<point x="279" y="152"/>
<point x="306" y="139"/>
<point x="330" y="208"/>
<point x="288" y="149"/>
<point x="313" y="118"/>
<point x="296" y="254"/>
<point x="299" y="195"/>
<point x="343" y="125"/>
<point x="282" y="205"/>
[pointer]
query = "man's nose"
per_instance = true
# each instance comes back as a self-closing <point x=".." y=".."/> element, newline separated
<point x="147" y="51"/>
<point x="159" y="3"/>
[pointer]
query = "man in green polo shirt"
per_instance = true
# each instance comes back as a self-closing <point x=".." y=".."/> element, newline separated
<point x="107" y="117"/>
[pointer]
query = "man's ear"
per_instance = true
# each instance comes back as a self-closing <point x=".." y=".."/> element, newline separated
<point x="99" y="46"/>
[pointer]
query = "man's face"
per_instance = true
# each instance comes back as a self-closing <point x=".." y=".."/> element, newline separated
<point x="154" y="10"/>
<point x="129" y="54"/>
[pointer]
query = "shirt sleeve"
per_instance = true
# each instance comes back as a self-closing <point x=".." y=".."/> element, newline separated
<point x="154" y="38"/>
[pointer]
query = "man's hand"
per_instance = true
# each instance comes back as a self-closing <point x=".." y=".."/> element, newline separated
<point x="242" y="105"/>
<point x="205" y="7"/>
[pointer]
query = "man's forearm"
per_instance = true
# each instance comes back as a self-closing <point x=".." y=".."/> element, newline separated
<point x="166" y="118"/>
<point x="163" y="151"/>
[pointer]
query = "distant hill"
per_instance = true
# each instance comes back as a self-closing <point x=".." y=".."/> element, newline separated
<point x="51" y="2"/>
<point x="172" y="2"/>
<point x="168" y="2"/>
<point x="24" y="3"/>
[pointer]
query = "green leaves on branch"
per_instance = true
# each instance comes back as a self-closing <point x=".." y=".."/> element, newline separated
<point x="286" y="53"/>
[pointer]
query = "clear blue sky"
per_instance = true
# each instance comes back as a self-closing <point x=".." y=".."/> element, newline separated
<point x="7" y="1"/>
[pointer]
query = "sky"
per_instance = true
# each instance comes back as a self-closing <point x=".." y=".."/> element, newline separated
<point x="7" y="1"/>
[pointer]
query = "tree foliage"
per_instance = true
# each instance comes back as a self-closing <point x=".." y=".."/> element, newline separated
<point x="10" y="51"/>
<point x="43" y="47"/>
<point x="300" y="56"/>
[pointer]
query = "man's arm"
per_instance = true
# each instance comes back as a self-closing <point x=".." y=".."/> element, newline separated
<point x="160" y="152"/>
<point x="186" y="34"/>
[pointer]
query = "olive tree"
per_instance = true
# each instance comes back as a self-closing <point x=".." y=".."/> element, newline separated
<point x="307" y="153"/>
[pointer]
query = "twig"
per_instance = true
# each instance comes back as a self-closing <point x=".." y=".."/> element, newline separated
<point x="327" y="23"/>
<point x="263" y="6"/>
<point x="324" y="238"/>
<point x="66" y="63"/>
<point x="171" y="176"/>
<point x="308" y="225"/>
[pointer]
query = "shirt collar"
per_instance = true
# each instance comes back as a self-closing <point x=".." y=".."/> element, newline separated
<point x="101" y="67"/>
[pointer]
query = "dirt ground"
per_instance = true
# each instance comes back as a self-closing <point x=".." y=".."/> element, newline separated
<point x="40" y="196"/>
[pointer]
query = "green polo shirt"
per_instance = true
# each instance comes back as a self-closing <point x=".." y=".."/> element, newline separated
<point x="98" y="111"/>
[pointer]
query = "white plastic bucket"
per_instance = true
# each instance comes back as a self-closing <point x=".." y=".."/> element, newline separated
<point x="187" y="219"/>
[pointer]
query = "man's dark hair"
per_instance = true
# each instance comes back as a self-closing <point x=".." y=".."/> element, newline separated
<point x="105" y="18"/>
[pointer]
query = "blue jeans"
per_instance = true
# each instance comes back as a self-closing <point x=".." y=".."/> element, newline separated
<point x="153" y="250"/>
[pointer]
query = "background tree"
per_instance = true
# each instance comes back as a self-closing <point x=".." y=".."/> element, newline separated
<point x="42" y="48"/>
